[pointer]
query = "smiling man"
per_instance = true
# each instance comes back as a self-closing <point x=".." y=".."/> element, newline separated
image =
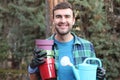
<point x="66" y="43"/>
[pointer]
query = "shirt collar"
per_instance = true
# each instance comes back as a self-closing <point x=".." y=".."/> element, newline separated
<point x="75" y="37"/>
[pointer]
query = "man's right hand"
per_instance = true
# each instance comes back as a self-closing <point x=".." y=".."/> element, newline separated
<point x="38" y="58"/>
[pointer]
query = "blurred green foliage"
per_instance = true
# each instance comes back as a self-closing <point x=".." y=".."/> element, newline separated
<point x="22" y="21"/>
<point x="95" y="23"/>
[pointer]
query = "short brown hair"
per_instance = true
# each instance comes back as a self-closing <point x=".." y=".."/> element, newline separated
<point x="63" y="5"/>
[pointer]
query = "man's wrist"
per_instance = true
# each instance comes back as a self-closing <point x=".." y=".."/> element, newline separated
<point x="32" y="70"/>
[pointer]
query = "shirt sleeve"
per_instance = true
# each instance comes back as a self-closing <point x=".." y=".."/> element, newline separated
<point x="32" y="70"/>
<point x="92" y="50"/>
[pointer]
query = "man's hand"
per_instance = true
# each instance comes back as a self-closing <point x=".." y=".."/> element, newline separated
<point x="38" y="58"/>
<point x="101" y="73"/>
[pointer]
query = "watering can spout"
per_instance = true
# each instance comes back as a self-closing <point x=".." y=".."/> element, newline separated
<point x="76" y="72"/>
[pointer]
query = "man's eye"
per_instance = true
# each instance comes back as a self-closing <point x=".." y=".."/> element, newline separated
<point x="58" y="16"/>
<point x="67" y="16"/>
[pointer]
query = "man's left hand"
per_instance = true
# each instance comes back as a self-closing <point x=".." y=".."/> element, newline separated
<point x="101" y="73"/>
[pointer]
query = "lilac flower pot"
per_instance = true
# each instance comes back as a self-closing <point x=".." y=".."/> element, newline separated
<point x="44" y="44"/>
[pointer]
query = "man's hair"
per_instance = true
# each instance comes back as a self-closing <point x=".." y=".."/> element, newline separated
<point x="63" y="5"/>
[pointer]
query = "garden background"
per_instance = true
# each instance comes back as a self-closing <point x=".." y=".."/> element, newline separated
<point x="23" y="21"/>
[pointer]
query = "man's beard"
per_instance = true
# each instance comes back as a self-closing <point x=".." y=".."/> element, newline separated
<point x="62" y="33"/>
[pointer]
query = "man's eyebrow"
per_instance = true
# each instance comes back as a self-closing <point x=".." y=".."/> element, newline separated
<point x="62" y="15"/>
<point x="58" y="15"/>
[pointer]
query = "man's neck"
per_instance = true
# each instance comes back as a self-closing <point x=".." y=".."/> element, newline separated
<point x="64" y="38"/>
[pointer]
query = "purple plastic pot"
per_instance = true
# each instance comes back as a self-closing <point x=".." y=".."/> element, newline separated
<point x="44" y="44"/>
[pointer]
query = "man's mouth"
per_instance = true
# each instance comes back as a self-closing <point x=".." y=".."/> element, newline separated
<point x="63" y="25"/>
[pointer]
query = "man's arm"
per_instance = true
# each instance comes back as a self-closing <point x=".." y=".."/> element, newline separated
<point x="33" y="73"/>
<point x="33" y="76"/>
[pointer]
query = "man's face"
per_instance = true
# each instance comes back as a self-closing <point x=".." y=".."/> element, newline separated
<point x="63" y="21"/>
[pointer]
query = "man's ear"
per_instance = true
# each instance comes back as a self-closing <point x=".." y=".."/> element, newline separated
<point x="73" y="21"/>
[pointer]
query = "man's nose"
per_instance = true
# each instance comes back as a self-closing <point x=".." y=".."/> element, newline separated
<point x="63" y="19"/>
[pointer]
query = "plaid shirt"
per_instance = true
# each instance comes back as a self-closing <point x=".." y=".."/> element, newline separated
<point x="81" y="48"/>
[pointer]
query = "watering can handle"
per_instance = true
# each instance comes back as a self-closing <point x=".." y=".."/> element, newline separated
<point x="96" y="59"/>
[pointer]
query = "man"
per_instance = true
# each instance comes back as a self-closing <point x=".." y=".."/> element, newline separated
<point x="66" y="43"/>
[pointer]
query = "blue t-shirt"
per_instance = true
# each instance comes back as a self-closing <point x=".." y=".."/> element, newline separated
<point x="65" y="49"/>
